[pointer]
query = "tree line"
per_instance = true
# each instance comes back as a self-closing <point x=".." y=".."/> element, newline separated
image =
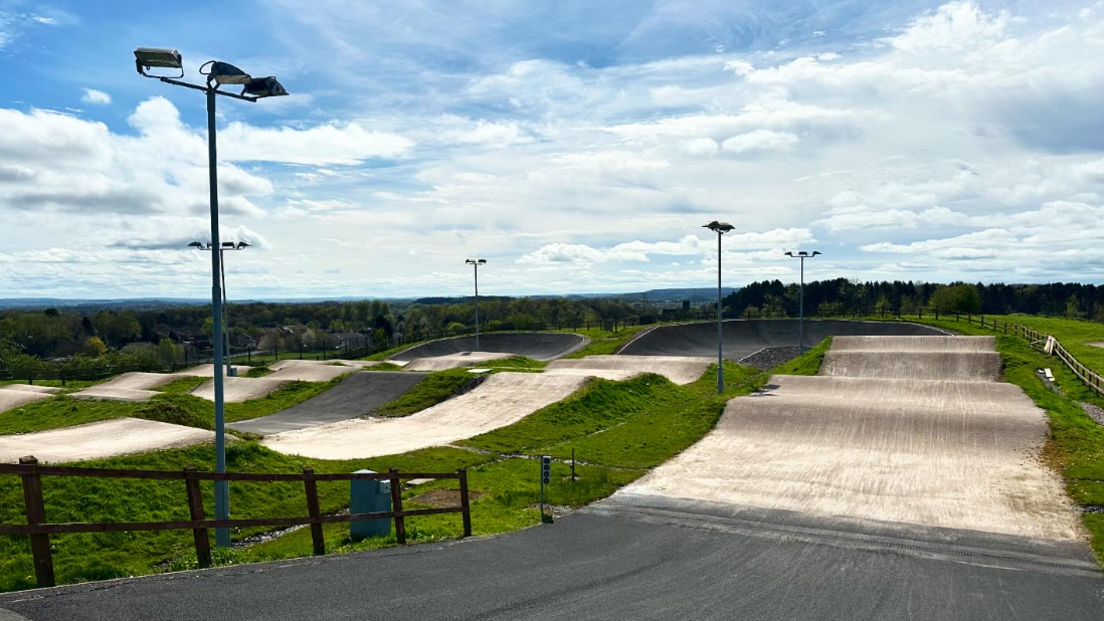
<point x="840" y="296"/>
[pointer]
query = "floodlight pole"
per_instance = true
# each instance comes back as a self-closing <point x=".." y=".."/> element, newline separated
<point x="720" y="334"/>
<point x="218" y="73"/>
<point x="801" y="298"/>
<point x="222" y="488"/>
<point x="475" y="263"/>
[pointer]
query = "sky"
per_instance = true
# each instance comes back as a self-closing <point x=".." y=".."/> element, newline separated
<point x="577" y="146"/>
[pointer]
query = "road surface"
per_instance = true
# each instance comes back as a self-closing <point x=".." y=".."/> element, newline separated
<point x="357" y="395"/>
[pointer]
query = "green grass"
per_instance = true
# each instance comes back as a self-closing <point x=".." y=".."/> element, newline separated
<point x="433" y="389"/>
<point x="1075" y="444"/>
<point x="70" y="385"/>
<point x="622" y="427"/>
<point x="1074" y="334"/>
<point x="807" y="364"/>
<point x="514" y="363"/>
<point x="173" y="405"/>
<point x="605" y="342"/>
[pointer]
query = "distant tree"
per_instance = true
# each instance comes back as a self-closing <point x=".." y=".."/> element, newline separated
<point x="94" y="347"/>
<point x="962" y="298"/>
<point x="1073" y="307"/>
<point x="454" y="326"/>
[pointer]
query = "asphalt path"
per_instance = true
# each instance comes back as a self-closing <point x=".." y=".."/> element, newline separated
<point x="658" y="559"/>
<point x="355" y="396"/>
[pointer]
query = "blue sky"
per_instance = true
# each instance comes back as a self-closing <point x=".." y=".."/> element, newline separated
<point x="577" y="146"/>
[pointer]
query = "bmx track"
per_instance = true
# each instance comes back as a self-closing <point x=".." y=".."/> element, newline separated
<point x="535" y="345"/>
<point x="502" y="399"/>
<point x="743" y="338"/>
<point x="908" y="430"/>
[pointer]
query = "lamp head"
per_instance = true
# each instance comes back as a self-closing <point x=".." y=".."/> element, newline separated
<point x="718" y="227"/>
<point x="196" y="244"/>
<point x="264" y="87"/>
<point x="219" y="72"/>
<point x="161" y="57"/>
<point x="789" y="254"/>
<point x="815" y="253"/>
<point x="242" y="244"/>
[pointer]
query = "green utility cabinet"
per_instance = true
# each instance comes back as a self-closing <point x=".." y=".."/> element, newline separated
<point x="369" y="496"/>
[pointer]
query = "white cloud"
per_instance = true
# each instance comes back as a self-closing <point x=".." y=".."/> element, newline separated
<point x="95" y="97"/>
<point x="759" y="140"/>
<point x="339" y="144"/>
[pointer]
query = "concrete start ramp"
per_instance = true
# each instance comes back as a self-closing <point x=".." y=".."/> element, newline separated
<point x="128" y="387"/>
<point x="932" y="442"/>
<point x="678" y="369"/>
<point x="502" y="399"/>
<point x="17" y="395"/>
<point x="239" y="389"/>
<point x="742" y="338"/>
<point x="120" y="436"/>
<point x="358" y="395"/>
<point x="536" y="345"/>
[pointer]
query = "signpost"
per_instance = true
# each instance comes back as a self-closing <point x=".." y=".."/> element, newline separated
<point x="546" y="479"/>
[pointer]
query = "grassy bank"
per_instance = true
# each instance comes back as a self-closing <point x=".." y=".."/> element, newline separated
<point x="433" y="389"/>
<point x="1075" y="444"/>
<point x="619" y="428"/>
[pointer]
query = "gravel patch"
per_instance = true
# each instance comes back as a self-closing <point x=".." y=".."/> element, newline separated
<point x="770" y="357"/>
<point x="1095" y="412"/>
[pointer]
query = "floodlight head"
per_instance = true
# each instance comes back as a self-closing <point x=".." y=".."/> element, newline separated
<point x="719" y="227"/>
<point x="149" y="57"/>
<point x="264" y="87"/>
<point x="224" y="73"/>
<point x="227" y="244"/>
<point x="789" y="254"/>
<point x="815" y="253"/>
<point x="242" y="244"/>
<point x="195" y="244"/>
<point x="476" y="261"/>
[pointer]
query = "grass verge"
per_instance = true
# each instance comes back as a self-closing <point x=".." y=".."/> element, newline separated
<point x="433" y="389"/>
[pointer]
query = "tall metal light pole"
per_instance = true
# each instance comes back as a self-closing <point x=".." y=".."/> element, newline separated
<point x="225" y="304"/>
<point x="720" y="228"/>
<point x="475" y="263"/>
<point x="217" y="73"/>
<point x="802" y="255"/>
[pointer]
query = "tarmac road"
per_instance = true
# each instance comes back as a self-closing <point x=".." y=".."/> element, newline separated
<point x="618" y="561"/>
<point x="355" y="396"/>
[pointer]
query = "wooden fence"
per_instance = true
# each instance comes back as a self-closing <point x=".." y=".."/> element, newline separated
<point x="39" y="530"/>
<point x="1038" y="340"/>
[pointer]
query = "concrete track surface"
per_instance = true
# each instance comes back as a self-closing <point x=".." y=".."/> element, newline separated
<point x="913" y="444"/>
<point x="119" y="436"/>
<point x="239" y="389"/>
<point x="208" y="370"/>
<point x="743" y="338"/>
<point x="535" y="345"/>
<point x="619" y="563"/>
<point x="310" y="372"/>
<point x="128" y="387"/>
<point x="453" y="361"/>
<point x="678" y="369"/>
<point x="502" y="399"/>
<point x="360" y="364"/>
<point x="355" y="396"/>
<point x="11" y="399"/>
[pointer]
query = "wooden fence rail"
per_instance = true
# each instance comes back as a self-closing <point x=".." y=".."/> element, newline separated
<point x="39" y="530"/>
<point x="1038" y="340"/>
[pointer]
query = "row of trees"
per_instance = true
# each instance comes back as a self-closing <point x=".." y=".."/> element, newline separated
<point x="845" y="297"/>
<point x="53" y="335"/>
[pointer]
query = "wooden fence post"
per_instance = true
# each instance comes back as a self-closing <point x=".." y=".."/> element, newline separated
<point x="464" y="505"/>
<point x="195" y="510"/>
<point x="396" y="506"/>
<point x="311" y="487"/>
<point x="36" y="514"/>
